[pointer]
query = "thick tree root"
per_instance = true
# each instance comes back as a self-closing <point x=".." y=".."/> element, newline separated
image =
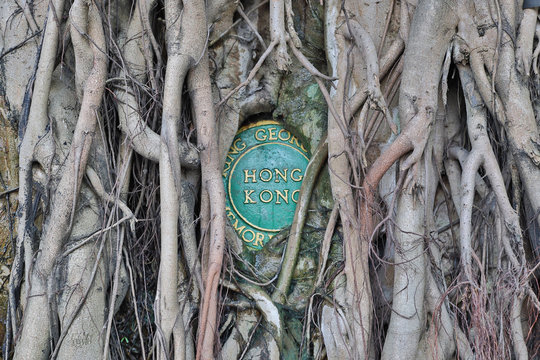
<point x="34" y="339"/>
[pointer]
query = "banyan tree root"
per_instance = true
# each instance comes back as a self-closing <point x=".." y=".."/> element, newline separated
<point x="34" y="339"/>
<point x="300" y="215"/>
<point x="212" y="188"/>
<point x="178" y="20"/>
<point x="426" y="320"/>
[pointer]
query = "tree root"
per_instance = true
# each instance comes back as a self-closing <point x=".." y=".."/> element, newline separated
<point x="525" y="39"/>
<point x="212" y="189"/>
<point x="293" y="245"/>
<point x="35" y="335"/>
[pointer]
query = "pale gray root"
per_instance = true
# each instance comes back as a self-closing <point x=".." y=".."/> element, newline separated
<point x="369" y="52"/>
<point x="431" y="30"/>
<point x="453" y="173"/>
<point x="267" y="348"/>
<point x="85" y="273"/>
<point x="184" y="344"/>
<point x="370" y="17"/>
<point x="290" y="25"/>
<point x="17" y="69"/>
<point x="78" y="21"/>
<point x="293" y="244"/>
<point x="358" y="308"/>
<point x="334" y="332"/>
<point x="34" y="339"/>
<point x="84" y="297"/>
<point x="515" y="110"/>
<point x="35" y="129"/>
<point x="143" y="139"/>
<point x="268" y="310"/>
<point x="467" y="196"/>
<point x="120" y="282"/>
<point x="407" y="321"/>
<point x="536" y="52"/>
<point x="167" y="308"/>
<point x="520" y="346"/>
<point x="325" y="246"/>
<point x="443" y="338"/>
<point x="387" y="61"/>
<point x="188" y="198"/>
<point x="18" y="65"/>
<point x="482" y="154"/>
<point x="428" y="44"/>
<point x="437" y="342"/>
<point x="212" y="188"/>
<point x="278" y="34"/>
<point x="27" y="11"/>
<point x="97" y="186"/>
<point x="84" y="336"/>
<point x="524" y="46"/>
<point x="456" y="153"/>
<point x="521" y="126"/>
<point x="321" y="270"/>
<point x="238" y="340"/>
<point x="451" y="134"/>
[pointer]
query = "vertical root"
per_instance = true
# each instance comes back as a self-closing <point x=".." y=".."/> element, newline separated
<point x="293" y="245"/>
<point x="35" y="330"/>
<point x="277" y="33"/>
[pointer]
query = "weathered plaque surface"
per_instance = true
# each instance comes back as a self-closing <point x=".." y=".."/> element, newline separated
<point x="263" y="173"/>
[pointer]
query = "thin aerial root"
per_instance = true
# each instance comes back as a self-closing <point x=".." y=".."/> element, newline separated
<point x="290" y="25"/>
<point x="293" y="245"/>
<point x="325" y="246"/>
<point x="363" y="40"/>
<point x="252" y="27"/>
<point x="308" y="65"/>
<point x="278" y="34"/>
<point x="252" y="73"/>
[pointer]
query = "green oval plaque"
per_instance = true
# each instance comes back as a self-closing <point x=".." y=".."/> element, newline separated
<point x="262" y="175"/>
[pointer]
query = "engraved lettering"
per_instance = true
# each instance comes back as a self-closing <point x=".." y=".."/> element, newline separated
<point x="299" y="177"/>
<point x="261" y="135"/>
<point x="227" y="165"/>
<point x="252" y="235"/>
<point x="262" y="173"/>
<point x="251" y="176"/>
<point x="294" y="141"/>
<point x="237" y="146"/>
<point x="259" y="239"/>
<point x="248" y="199"/>
<point x="272" y="134"/>
<point x="297" y="192"/>
<point x="285" y="197"/>
<point x="268" y="177"/>
<point x="230" y="214"/>
<point x="238" y="229"/>
<point x="284" y="135"/>
<point x="282" y="175"/>
<point x="268" y="199"/>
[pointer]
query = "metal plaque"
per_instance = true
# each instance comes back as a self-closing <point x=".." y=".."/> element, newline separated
<point x="263" y="173"/>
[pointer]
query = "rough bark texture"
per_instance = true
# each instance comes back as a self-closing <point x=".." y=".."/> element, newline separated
<point x="416" y="234"/>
